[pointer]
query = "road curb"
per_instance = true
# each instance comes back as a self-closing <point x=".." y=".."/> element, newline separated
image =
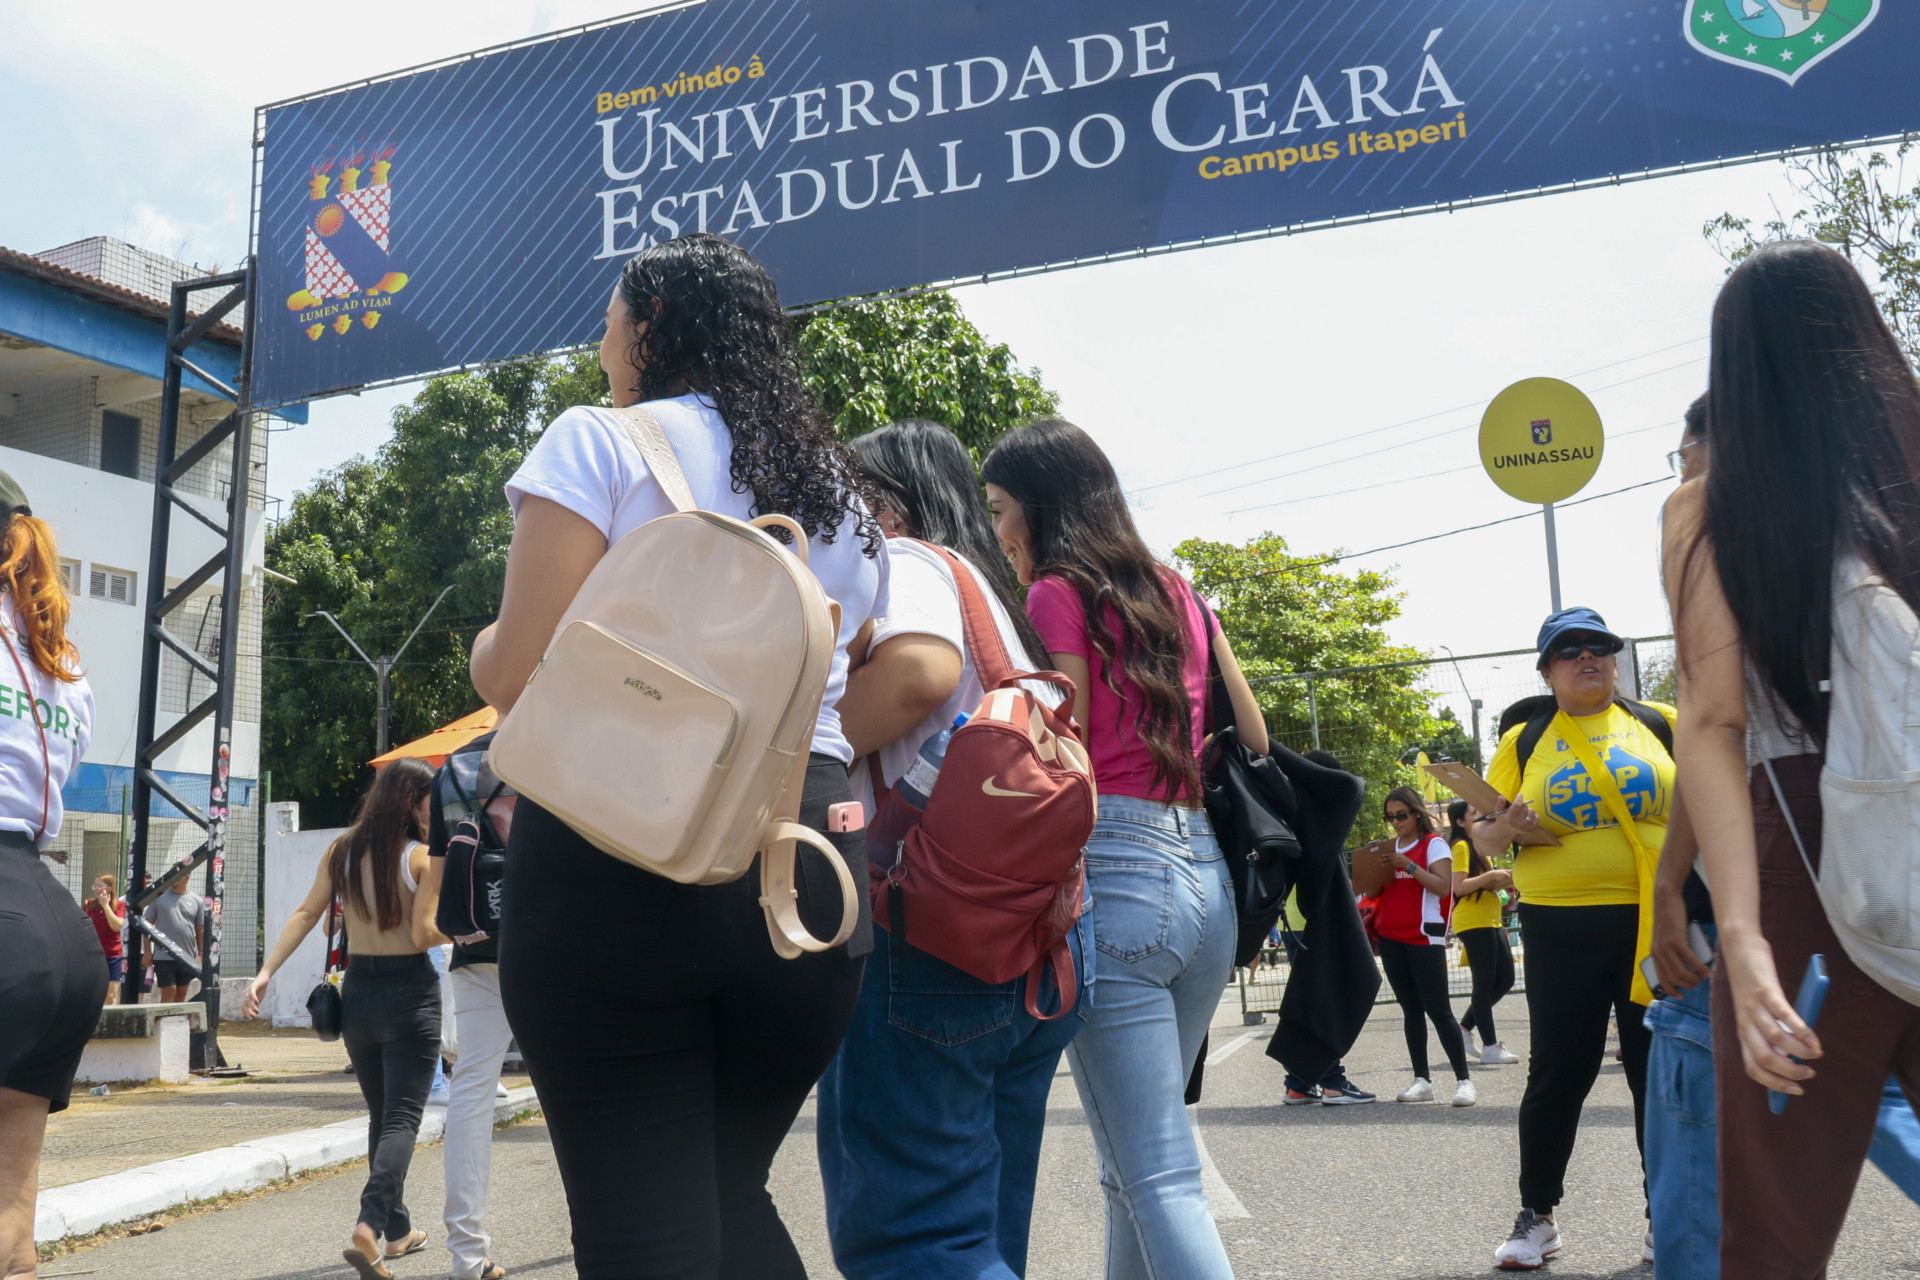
<point x="82" y="1208"/>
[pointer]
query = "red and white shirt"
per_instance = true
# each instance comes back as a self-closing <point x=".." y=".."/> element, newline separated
<point x="1409" y="912"/>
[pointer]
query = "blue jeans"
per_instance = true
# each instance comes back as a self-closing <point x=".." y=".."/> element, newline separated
<point x="1163" y="923"/>
<point x="931" y="1115"/>
<point x="1896" y="1142"/>
<point x="1683" y="1176"/>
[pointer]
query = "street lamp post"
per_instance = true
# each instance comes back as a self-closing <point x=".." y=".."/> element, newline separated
<point x="383" y="665"/>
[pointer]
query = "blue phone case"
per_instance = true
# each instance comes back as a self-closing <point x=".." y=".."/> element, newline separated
<point x="1813" y="994"/>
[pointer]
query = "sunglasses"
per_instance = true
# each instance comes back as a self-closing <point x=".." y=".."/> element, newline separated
<point x="1398" y="815"/>
<point x="1597" y="646"/>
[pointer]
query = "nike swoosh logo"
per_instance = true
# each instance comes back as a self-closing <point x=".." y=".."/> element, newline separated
<point x="992" y="790"/>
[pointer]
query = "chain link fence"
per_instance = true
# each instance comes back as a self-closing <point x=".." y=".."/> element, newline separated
<point x="1476" y="689"/>
<point x="1263" y="984"/>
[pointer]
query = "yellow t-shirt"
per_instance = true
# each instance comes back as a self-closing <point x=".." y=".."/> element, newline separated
<point x="1594" y="865"/>
<point x="1474" y="910"/>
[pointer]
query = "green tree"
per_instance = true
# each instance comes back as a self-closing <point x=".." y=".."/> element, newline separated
<point x="1452" y="740"/>
<point x="920" y="357"/>
<point x="1865" y="205"/>
<point x="376" y="540"/>
<point x="1288" y="615"/>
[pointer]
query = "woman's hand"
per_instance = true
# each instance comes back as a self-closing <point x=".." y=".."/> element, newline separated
<point x="1399" y="861"/>
<point x="1680" y="970"/>
<point x="1771" y="1033"/>
<point x="1497" y="879"/>
<point x="256" y="992"/>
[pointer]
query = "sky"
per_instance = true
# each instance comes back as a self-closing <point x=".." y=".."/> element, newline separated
<point x="1326" y="387"/>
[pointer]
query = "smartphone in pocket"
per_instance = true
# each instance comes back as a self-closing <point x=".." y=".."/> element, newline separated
<point x="1813" y="994"/>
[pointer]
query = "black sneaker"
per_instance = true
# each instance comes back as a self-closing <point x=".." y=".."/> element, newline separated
<point x="1343" y="1093"/>
<point x="1301" y="1097"/>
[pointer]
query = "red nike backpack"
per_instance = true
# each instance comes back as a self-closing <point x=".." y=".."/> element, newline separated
<point x="990" y="880"/>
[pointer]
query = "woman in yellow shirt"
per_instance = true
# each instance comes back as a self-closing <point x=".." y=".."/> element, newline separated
<point x="1585" y="905"/>
<point x="1477" y="885"/>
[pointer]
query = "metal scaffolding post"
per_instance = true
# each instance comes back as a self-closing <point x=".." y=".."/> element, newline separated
<point x="150" y="743"/>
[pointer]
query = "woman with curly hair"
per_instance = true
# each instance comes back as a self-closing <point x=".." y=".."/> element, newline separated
<point x="672" y="1054"/>
<point x="1134" y="639"/>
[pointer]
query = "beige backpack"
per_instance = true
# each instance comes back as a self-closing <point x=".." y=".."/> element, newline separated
<point x="670" y="721"/>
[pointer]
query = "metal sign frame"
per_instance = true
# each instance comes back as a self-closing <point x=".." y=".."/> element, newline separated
<point x="228" y="564"/>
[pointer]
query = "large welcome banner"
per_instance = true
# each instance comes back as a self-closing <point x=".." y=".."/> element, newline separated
<point x="480" y="210"/>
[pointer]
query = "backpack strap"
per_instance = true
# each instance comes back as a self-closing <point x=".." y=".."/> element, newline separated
<point x="985" y="645"/>
<point x="1530" y="736"/>
<point x="780" y="845"/>
<point x="1655" y="723"/>
<point x="644" y="430"/>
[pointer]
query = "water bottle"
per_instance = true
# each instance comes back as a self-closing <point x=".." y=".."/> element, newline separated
<point x="916" y="785"/>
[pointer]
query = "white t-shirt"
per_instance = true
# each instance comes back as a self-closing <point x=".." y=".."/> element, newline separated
<point x="926" y="603"/>
<point x="587" y="463"/>
<point x="67" y="712"/>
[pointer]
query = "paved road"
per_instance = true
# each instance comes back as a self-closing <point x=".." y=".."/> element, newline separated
<point x="1386" y="1192"/>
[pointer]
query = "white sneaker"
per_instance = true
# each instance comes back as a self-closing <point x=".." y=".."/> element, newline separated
<point x="1465" y="1095"/>
<point x="1534" y="1240"/>
<point x="500" y="1089"/>
<point x="1646" y="1248"/>
<point x="1472" y="1049"/>
<point x="1421" y="1090"/>
<point x="1496" y="1055"/>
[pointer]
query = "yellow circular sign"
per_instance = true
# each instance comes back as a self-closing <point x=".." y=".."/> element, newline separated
<point x="1541" y="440"/>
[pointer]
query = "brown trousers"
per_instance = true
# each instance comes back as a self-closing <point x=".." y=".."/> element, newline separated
<point x="1786" y="1181"/>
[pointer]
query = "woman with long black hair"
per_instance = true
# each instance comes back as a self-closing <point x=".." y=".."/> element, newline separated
<point x="1813" y="417"/>
<point x="1477" y="922"/>
<point x="672" y="1054"/>
<point x="931" y="1116"/>
<point x="1412" y="922"/>
<point x="1133" y="637"/>
<point x="390" y="1000"/>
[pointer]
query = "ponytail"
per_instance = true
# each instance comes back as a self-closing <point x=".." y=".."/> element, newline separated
<point x="30" y="573"/>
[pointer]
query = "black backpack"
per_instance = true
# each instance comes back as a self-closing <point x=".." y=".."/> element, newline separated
<point x="1537" y="712"/>
<point x="470" y="884"/>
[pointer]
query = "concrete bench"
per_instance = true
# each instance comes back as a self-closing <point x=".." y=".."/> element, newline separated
<point x="142" y="1042"/>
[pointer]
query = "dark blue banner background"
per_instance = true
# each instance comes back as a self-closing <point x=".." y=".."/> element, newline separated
<point x="891" y="143"/>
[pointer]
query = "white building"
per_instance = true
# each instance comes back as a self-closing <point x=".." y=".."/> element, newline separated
<point x="82" y="338"/>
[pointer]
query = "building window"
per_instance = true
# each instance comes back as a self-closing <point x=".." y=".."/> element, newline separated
<point x="120" y="444"/>
<point x="70" y="576"/>
<point x="112" y="585"/>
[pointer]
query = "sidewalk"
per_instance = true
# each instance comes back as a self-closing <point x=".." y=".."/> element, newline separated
<point x="146" y="1149"/>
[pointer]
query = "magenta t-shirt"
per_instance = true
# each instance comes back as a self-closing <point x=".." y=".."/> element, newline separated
<point x="1122" y="765"/>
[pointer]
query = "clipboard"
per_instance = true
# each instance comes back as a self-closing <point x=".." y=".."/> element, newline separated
<point x="1371" y="870"/>
<point x="1479" y="793"/>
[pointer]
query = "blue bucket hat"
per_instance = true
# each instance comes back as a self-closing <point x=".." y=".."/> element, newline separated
<point x="1578" y="618"/>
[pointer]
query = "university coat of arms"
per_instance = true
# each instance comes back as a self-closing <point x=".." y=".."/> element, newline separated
<point x="351" y="268"/>
<point x="1783" y="38"/>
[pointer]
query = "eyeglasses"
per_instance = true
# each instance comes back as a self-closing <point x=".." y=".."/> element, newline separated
<point x="1677" y="460"/>
<point x="1598" y="646"/>
<point x="1398" y="815"/>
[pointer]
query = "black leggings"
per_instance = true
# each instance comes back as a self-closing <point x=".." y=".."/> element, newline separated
<point x="1579" y="968"/>
<point x="1418" y="976"/>
<point x="390" y="1021"/>
<point x="1490" y="955"/>
<point x="670" y="1046"/>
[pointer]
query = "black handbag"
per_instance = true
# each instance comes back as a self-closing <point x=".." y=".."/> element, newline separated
<point x="323" y="1002"/>
<point x="1252" y="808"/>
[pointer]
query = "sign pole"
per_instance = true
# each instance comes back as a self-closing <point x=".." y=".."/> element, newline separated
<point x="1553" y="557"/>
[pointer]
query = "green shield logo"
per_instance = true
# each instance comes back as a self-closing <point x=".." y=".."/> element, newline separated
<point x="1783" y="38"/>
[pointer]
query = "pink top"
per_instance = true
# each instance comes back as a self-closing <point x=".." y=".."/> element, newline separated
<point x="1122" y="765"/>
